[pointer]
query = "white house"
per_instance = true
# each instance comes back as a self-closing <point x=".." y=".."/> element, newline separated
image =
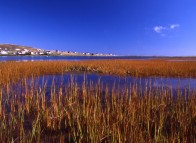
<point x="3" y="52"/>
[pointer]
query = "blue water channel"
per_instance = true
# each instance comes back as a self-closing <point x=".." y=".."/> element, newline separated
<point x="113" y="83"/>
<point x="68" y="58"/>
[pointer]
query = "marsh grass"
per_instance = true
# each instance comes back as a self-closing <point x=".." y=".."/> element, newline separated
<point x="13" y="71"/>
<point x="92" y="113"/>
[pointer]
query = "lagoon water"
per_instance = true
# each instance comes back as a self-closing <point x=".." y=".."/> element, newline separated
<point x="67" y="58"/>
<point x="115" y="83"/>
<point x="112" y="82"/>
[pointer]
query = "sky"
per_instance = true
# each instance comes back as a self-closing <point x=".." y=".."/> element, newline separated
<point x="121" y="27"/>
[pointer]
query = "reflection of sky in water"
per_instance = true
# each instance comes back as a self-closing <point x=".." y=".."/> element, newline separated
<point x="77" y="58"/>
<point x="175" y="82"/>
<point x="69" y="58"/>
<point x="117" y="84"/>
<point x="120" y="82"/>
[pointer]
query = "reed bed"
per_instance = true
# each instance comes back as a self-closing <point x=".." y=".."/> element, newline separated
<point x="12" y="71"/>
<point x="92" y="113"/>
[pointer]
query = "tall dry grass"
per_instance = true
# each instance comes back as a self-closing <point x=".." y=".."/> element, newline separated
<point x="17" y="70"/>
<point x="95" y="114"/>
<point x="92" y="113"/>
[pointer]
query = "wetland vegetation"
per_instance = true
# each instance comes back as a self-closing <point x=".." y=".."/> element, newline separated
<point x="91" y="112"/>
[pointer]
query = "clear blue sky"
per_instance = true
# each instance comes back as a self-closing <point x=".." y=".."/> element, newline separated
<point x="124" y="27"/>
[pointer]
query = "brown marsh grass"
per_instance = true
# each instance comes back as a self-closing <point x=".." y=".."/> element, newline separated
<point x="17" y="70"/>
<point x="93" y="114"/>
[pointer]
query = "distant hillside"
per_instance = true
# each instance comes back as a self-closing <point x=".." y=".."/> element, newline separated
<point x="11" y="47"/>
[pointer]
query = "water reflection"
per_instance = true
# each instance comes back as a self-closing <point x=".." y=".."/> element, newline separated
<point x="68" y="58"/>
<point x="116" y="82"/>
<point x="46" y="85"/>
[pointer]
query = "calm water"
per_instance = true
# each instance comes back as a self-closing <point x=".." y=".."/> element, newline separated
<point x="116" y="82"/>
<point x="72" y="58"/>
<point x="110" y="80"/>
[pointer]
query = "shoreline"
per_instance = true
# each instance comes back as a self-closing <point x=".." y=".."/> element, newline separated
<point x="136" y="68"/>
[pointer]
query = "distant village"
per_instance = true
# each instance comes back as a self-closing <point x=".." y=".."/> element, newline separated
<point x="19" y="51"/>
